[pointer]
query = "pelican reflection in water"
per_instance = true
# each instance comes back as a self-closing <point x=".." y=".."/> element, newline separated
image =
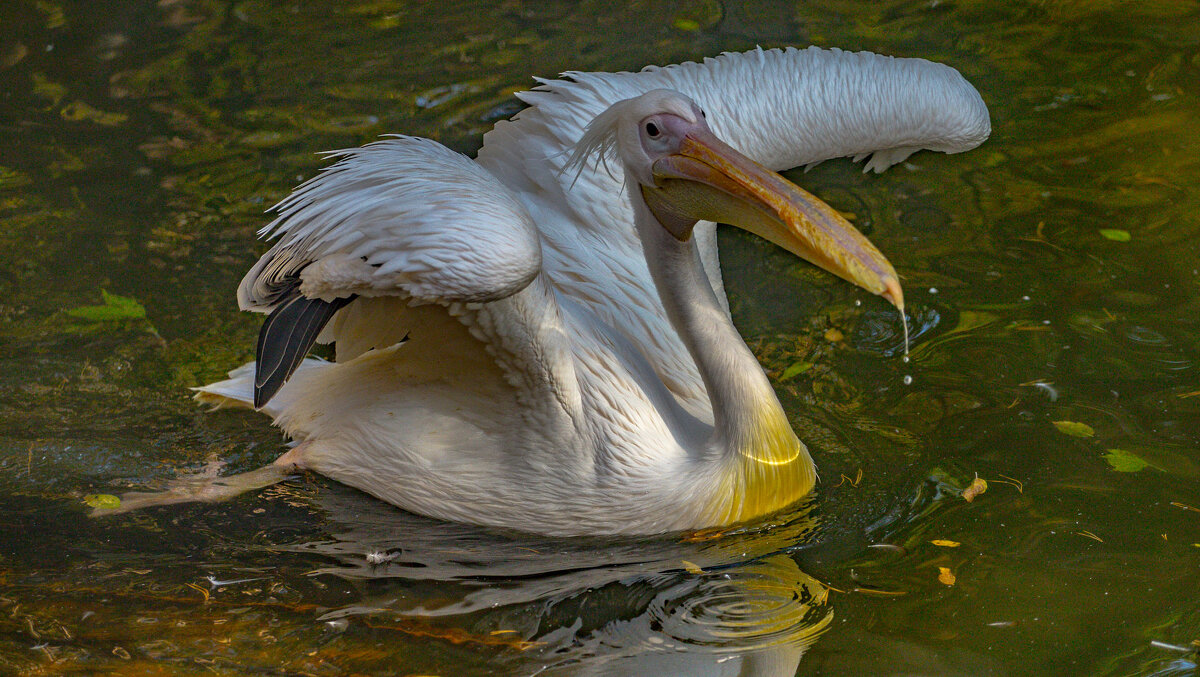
<point x="661" y="606"/>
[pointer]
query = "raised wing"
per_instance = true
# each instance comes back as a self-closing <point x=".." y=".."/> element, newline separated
<point x="403" y="217"/>
<point x="783" y="108"/>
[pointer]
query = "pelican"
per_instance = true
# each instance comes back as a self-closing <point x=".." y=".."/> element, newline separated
<point x="539" y="339"/>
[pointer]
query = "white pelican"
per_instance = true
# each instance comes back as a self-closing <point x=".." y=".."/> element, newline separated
<point x="538" y="339"/>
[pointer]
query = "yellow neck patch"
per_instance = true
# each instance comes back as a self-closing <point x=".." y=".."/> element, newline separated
<point x="771" y="470"/>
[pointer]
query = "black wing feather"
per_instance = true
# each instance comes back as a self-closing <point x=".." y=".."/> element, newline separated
<point x="285" y="337"/>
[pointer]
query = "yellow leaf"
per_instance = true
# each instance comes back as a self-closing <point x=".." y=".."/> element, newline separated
<point x="78" y="111"/>
<point x="945" y="544"/>
<point x="978" y="486"/>
<point x="945" y="576"/>
<point x="114" y="308"/>
<point x="795" y="369"/>
<point x="1075" y="429"/>
<point x="46" y="89"/>
<point x="102" y="501"/>
<point x="692" y="568"/>
<point x="880" y="593"/>
<point x="1124" y="461"/>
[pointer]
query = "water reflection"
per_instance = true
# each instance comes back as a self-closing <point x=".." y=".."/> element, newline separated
<point x="705" y="604"/>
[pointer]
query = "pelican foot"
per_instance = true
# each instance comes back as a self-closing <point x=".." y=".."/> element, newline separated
<point x="205" y="486"/>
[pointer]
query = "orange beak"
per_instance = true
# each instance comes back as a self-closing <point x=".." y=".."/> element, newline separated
<point x="706" y="179"/>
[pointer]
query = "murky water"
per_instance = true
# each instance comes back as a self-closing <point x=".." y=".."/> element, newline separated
<point x="1052" y="277"/>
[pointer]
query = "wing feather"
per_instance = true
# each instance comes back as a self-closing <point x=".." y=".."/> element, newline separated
<point x="402" y="217"/>
<point x="286" y="337"/>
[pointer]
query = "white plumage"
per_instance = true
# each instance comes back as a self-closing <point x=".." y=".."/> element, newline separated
<point x="784" y="108"/>
<point x="551" y="380"/>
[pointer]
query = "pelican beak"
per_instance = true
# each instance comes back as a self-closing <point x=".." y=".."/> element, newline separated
<point x="706" y="179"/>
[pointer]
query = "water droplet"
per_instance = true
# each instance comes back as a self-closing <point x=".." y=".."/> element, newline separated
<point x="907" y="380"/>
<point x="933" y="290"/>
<point x="906" y="359"/>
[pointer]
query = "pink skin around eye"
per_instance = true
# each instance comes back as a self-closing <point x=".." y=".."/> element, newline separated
<point x="671" y="131"/>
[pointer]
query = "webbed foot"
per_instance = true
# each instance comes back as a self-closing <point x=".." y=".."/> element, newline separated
<point x="205" y="486"/>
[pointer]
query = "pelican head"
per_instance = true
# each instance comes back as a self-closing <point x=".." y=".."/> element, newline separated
<point x="686" y="174"/>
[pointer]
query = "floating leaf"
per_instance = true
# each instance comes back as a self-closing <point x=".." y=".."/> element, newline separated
<point x="795" y="369"/>
<point x="11" y="178"/>
<point x="834" y="335"/>
<point x="102" y="501"/>
<point x="692" y="568"/>
<point x="271" y="138"/>
<point x="945" y="576"/>
<point x="1124" y="461"/>
<point x="1116" y="234"/>
<point x="114" y="308"/>
<point x="689" y="25"/>
<point x="45" y="88"/>
<point x="977" y="487"/>
<point x="55" y="17"/>
<point x="995" y="159"/>
<point x="387" y="22"/>
<point x="944" y="543"/>
<point x="1074" y="429"/>
<point x="1175" y="460"/>
<point x="78" y="111"/>
<point x="14" y="55"/>
<point x="880" y="593"/>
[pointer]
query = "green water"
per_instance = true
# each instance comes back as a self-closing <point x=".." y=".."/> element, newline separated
<point x="1052" y="276"/>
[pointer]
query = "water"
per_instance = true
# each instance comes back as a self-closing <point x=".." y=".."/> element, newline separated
<point x="140" y="142"/>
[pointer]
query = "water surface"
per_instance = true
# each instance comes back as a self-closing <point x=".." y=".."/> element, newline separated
<point x="1052" y="276"/>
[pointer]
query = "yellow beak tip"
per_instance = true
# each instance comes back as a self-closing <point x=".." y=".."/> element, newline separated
<point x="893" y="293"/>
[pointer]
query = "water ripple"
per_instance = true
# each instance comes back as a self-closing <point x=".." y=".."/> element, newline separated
<point x="1161" y="349"/>
<point x="1146" y="336"/>
<point x="765" y="604"/>
<point x="882" y="333"/>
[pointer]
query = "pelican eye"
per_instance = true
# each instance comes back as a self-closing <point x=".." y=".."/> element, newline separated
<point x="652" y="130"/>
